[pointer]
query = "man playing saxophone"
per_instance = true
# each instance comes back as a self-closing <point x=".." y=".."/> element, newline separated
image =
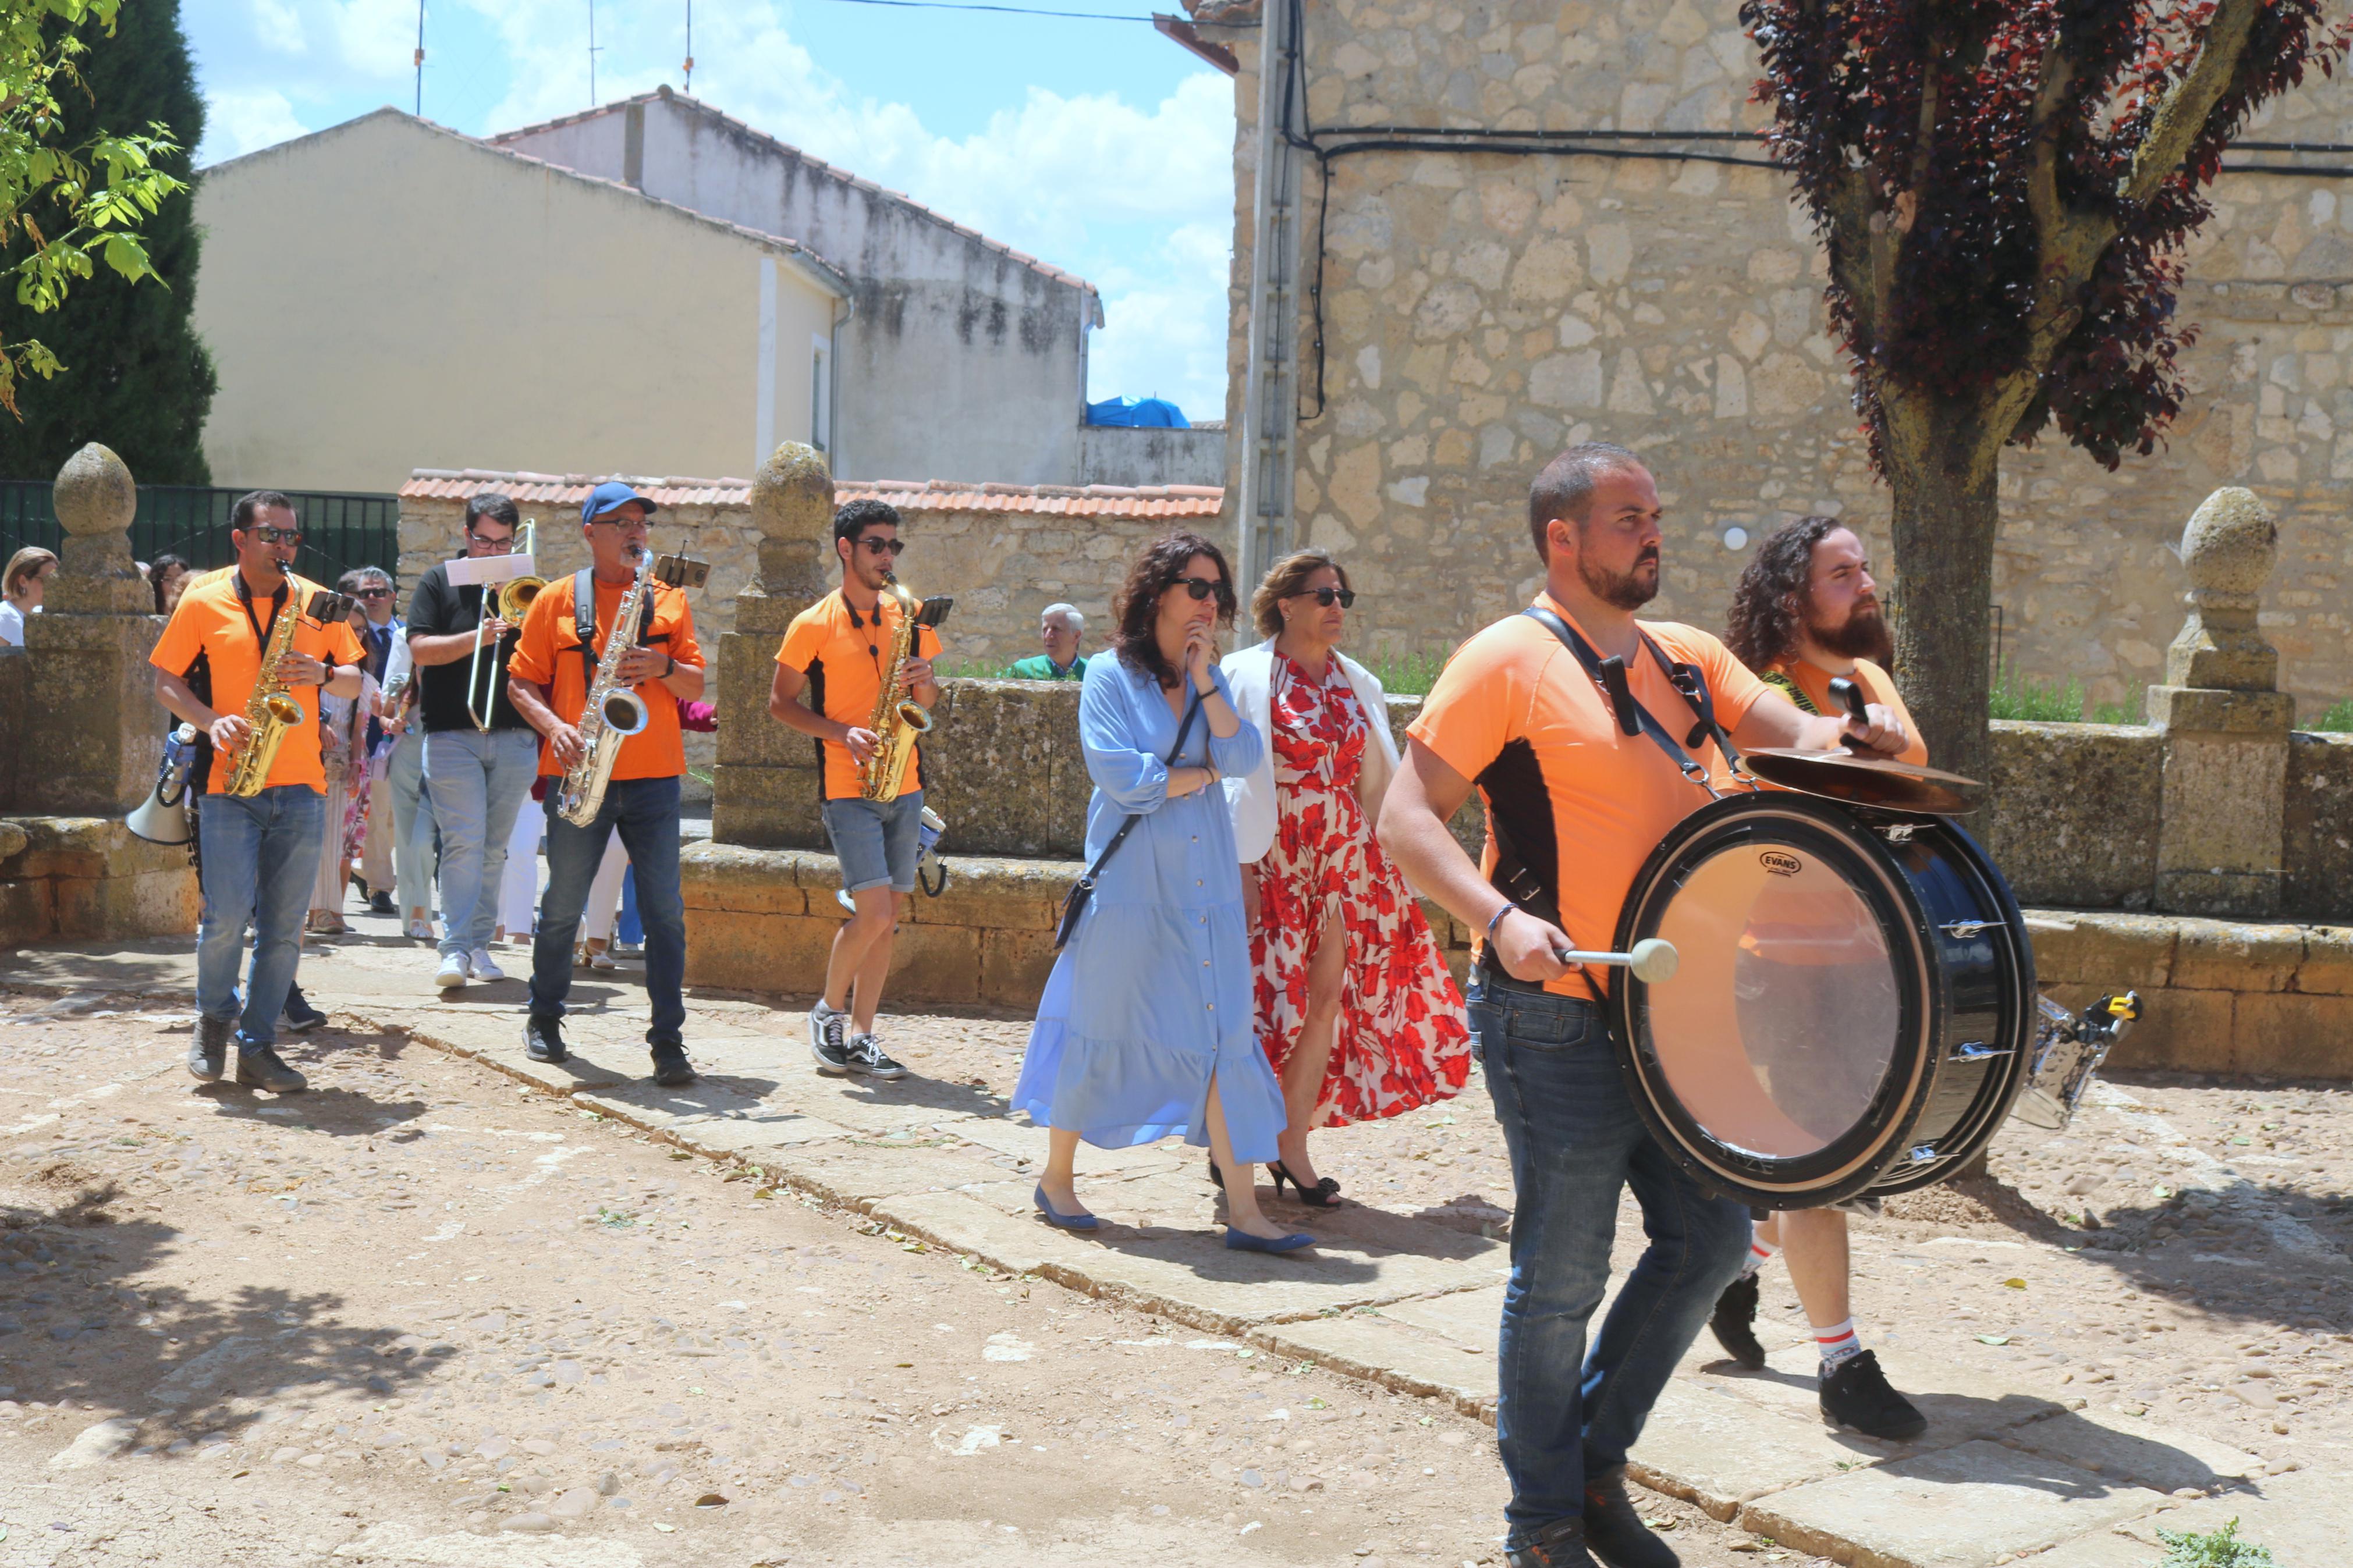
<point x="842" y="651"/>
<point x="548" y="679"/>
<point x="240" y="661"/>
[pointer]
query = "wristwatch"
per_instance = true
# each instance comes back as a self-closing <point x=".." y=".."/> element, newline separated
<point x="673" y="666"/>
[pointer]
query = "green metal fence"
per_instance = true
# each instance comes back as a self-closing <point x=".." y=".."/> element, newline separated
<point x="339" y="532"/>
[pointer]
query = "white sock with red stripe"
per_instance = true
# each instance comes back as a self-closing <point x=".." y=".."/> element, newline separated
<point x="1837" y="1344"/>
<point x="1760" y="1253"/>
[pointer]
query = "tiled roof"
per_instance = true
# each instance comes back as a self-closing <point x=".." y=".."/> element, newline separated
<point x="820" y="165"/>
<point x="907" y="494"/>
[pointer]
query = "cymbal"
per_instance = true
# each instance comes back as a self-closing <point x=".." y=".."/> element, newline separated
<point x="1864" y="781"/>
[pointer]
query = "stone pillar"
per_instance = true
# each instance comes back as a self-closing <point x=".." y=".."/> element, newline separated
<point x="765" y="790"/>
<point x="2225" y="722"/>
<point x="98" y="729"/>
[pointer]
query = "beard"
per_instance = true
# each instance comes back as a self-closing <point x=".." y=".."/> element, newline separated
<point x="1622" y="590"/>
<point x="1865" y="636"/>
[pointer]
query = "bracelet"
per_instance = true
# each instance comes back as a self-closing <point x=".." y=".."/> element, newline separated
<point x="673" y="666"/>
<point x="1496" y="920"/>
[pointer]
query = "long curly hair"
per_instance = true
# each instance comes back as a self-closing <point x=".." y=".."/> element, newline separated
<point x="1769" y="603"/>
<point x="1136" y="606"/>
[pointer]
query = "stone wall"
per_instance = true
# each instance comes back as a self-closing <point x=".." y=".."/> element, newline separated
<point x="84" y="879"/>
<point x="1482" y="311"/>
<point x="1124" y="454"/>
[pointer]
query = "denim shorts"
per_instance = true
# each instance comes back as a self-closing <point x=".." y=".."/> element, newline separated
<point x="876" y="844"/>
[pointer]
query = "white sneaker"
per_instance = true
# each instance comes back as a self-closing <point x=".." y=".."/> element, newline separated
<point x="420" y="930"/>
<point x="484" y="966"/>
<point x="602" y="959"/>
<point x="452" y="973"/>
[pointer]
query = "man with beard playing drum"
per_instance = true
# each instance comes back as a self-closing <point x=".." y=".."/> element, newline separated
<point x="1805" y="613"/>
<point x="1580" y="784"/>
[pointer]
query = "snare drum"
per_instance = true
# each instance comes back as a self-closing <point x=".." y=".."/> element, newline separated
<point x="1854" y="1003"/>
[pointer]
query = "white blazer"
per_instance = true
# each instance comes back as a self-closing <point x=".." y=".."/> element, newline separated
<point x="1250" y="672"/>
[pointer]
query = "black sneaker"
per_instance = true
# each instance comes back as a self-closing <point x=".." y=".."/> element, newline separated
<point x="1735" y="1323"/>
<point x="1560" y="1545"/>
<point x="301" y="1017"/>
<point x="209" y="1052"/>
<point x="380" y="903"/>
<point x="866" y="1057"/>
<point x="260" y="1066"/>
<point x="1614" y="1532"/>
<point x="1855" y="1394"/>
<point x="829" y="1042"/>
<point x="672" y="1070"/>
<point x="543" y="1041"/>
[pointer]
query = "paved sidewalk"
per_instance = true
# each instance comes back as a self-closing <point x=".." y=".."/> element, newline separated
<point x="2003" y="1472"/>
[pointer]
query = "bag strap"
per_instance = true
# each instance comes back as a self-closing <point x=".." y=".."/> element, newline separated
<point x="1687" y="679"/>
<point x="1633" y="719"/>
<point x="1134" y="817"/>
<point x="583" y="619"/>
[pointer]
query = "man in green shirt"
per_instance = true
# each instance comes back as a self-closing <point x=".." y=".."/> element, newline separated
<point x="1058" y="629"/>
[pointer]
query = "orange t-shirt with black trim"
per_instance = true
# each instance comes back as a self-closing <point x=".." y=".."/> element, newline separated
<point x="845" y="654"/>
<point x="547" y="654"/>
<point x="1583" y="803"/>
<point x="1878" y="686"/>
<point x="210" y="623"/>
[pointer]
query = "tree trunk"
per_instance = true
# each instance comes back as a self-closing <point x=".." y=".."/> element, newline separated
<point x="1943" y="475"/>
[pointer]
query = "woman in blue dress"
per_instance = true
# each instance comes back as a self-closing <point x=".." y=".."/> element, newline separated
<point x="1146" y="1027"/>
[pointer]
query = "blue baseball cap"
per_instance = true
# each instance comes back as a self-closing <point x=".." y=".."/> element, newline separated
<point x="612" y="493"/>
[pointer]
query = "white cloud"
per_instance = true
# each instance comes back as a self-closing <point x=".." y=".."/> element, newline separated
<point x="278" y="26"/>
<point x="237" y="123"/>
<point x="376" y="38"/>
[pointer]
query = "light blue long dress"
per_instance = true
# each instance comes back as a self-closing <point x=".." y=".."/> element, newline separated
<point x="1152" y="996"/>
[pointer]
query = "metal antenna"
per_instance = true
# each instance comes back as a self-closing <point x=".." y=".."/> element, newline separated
<point x="420" y="60"/>
<point x="689" y="45"/>
<point x="592" y="53"/>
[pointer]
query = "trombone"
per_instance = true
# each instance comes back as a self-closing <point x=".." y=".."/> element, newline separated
<point x="511" y="599"/>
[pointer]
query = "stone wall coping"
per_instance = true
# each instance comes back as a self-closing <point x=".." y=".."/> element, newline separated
<point x="2190" y="952"/>
<point x="984" y="875"/>
<point x="923" y="495"/>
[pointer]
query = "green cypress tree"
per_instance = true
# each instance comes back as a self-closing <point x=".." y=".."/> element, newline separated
<point x="136" y="377"/>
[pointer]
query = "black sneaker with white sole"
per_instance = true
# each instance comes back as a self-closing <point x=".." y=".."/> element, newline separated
<point x="829" y="1042"/>
<point x="260" y="1066"/>
<point x="208" y="1053"/>
<point x="1734" y="1324"/>
<point x="543" y="1039"/>
<point x="1856" y="1394"/>
<point x="301" y="1017"/>
<point x="866" y="1057"/>
<point x="672" y="1070"/>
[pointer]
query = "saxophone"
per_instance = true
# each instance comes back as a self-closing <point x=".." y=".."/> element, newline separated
<point x="271" y="711"/>
<point x="899" y="721"/>
<point x="612" y="713"/>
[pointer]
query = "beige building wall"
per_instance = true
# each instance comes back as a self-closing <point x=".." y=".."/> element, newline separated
<point x="387" y="294"/>
<point x="1482" y="310"/>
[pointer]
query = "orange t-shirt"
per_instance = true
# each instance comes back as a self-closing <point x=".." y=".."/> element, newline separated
<point x="210" y="623"/>
<point x="845" y="662"/>
<point x="547" y="654"/>
<point x="1582" y="802"/>
<point x="1878" y="686"/>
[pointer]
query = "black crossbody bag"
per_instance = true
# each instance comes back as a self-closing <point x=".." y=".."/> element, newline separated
<point x="1074" y="903"/>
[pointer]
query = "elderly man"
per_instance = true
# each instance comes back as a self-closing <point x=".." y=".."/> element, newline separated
<point x="1060" y="627"/>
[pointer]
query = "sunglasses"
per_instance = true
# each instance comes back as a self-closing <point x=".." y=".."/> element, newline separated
<point x="1345" y="598"/>
<point x="891" y="547"/>
<point x="275" y="535"/>
<point x="373" y="594"/>
<point x="1202" y="588"/>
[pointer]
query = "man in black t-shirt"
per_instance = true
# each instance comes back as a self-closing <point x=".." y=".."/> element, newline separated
<point x="475" y="776"/>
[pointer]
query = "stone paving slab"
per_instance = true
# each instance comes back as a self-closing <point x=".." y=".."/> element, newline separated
<point x="2126" y="1447"/>
<point x="2305" y="1518"/>
<point x="1708" y="1445"/>
<point x="1958" y="1507"/>
<point x="1370" y="1346"/>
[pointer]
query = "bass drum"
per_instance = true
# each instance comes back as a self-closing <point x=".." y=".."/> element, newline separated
<point x="1853" y="1007"/>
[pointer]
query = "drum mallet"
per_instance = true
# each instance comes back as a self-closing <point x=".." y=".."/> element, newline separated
<point x="1653" y="958"/>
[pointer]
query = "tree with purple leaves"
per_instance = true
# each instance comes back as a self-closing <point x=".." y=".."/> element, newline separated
<point x="2005" y="188"/>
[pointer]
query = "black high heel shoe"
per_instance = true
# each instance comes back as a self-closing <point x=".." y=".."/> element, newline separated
<point x="1324" y="1194"/>
<point x="1217" y="1177"/>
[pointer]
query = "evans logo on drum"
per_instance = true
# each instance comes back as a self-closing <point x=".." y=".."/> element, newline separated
<point x="1779" y="862"/>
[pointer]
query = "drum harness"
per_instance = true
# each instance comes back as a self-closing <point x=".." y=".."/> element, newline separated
<point x="1514" y="878"/>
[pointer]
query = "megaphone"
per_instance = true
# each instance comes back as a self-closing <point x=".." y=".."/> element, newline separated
<point x="162" y="817"/>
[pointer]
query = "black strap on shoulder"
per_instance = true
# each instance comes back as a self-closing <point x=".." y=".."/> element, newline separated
<point x="1632" y="716"/>
<point x="1687" y="679"/>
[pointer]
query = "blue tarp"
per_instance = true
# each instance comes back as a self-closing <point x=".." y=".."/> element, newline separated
<point x="1152" y="412"/>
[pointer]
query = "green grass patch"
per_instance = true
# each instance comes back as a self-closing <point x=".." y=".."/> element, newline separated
<point x="2021" y="697"/>
<point x="1407" y="673"/>
<point x="2338" y="719"/>
<point x="2213" y="1549"/>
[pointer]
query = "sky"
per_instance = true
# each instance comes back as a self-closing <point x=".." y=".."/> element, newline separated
<point x="1099" y="146"/>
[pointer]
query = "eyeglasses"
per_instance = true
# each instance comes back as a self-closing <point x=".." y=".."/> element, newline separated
<point x="612" y="521"/>
<point x="1202" y="588"/>
<point x="891" y="547"/>
<point x="372" y="593"/>
<point x="275" y="535"/>
<point x="487" y="542"/>
<point x="1346" y="597"/>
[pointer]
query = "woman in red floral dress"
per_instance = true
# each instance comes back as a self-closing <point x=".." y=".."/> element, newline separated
<point x="1355" y="1008"/>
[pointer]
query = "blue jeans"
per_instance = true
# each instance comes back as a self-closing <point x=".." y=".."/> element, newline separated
<point x="645" y="813"/>
<point x="476" y="783"/>
<point x="412" y="829"/>
<point x="260" y="855"/>
<point x="631" y="927"/>
<point x="1575" y="1139"/>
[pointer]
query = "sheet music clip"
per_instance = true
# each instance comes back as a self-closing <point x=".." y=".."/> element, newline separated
<point x="681" y="571"/>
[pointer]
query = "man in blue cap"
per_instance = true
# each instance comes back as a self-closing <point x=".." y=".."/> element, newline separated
<point x="548" y="680"/>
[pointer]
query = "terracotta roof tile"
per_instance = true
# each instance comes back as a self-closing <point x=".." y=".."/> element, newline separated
<point x="908" y="495"/>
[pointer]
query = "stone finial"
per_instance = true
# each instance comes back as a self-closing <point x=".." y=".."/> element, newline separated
<point x="792" y="507"/>
<point x="94" y="493"/>
<point x="2228" y="550"/>
<point x="95" y="500"/>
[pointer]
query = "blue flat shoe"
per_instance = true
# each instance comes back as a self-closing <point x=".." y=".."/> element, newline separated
<point x="1081" y="1221"/>
<point x="1243" y="1241"/>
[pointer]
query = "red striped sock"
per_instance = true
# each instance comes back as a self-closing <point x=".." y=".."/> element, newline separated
<point x="1760" y="1253"/>
<point x="1837" y="1344"/>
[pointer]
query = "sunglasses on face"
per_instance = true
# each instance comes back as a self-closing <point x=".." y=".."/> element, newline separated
<point x="373" y="594"/>
<point x="275" y="535"/>
<point x="1202" y="588"/>
<point x="891" y="547"/>
<point x="1345" y="597"/>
